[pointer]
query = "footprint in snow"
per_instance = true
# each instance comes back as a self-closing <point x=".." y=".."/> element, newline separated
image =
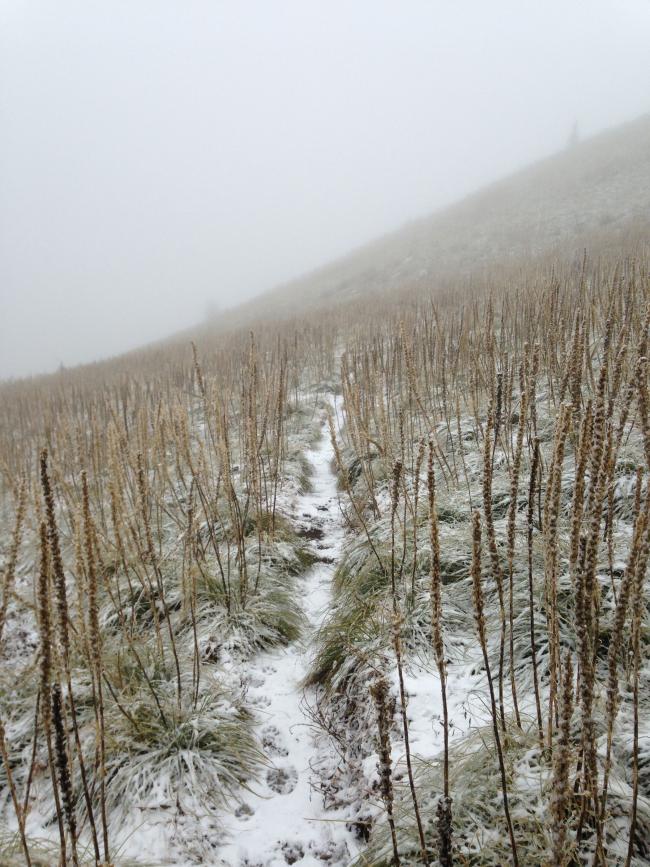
<point x="272" y="741"/>
<point x="292" y="852"/>
<point x="244" y="811"/>
<point x="330" y="852"/>
<point x="282" y="780"/>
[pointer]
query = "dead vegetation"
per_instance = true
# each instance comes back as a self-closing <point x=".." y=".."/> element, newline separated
<point x="494" y="470"/>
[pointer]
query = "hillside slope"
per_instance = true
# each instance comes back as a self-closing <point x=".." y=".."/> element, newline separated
<point x="601" y="185"/>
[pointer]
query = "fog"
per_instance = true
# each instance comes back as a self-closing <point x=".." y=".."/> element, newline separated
<point x="158" y="157"/>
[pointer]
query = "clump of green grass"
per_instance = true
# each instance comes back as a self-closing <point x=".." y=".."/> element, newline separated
<point x="272" y="616"/>
<point x="348" y="640"/>
<point x="201" y="751"/>
<point x="355" y="632"/>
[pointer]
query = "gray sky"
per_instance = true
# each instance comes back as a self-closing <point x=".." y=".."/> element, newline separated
<point x="159" y="154"/>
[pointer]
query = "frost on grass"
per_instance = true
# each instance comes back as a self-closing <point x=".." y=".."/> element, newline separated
<point x="216" y="608"/>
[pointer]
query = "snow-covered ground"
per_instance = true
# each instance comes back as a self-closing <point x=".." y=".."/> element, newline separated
<point x="283" y="819"/>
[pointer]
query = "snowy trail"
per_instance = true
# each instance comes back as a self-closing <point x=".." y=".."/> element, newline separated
<point x="284" y="821"/>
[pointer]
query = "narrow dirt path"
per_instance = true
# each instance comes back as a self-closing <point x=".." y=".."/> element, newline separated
<point x="285" y="821"/>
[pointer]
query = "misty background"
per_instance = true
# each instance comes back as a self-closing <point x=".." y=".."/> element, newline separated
<point x="159" y="158"/>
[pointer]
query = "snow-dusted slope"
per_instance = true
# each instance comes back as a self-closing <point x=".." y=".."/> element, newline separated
<point x="598" y="187"/>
